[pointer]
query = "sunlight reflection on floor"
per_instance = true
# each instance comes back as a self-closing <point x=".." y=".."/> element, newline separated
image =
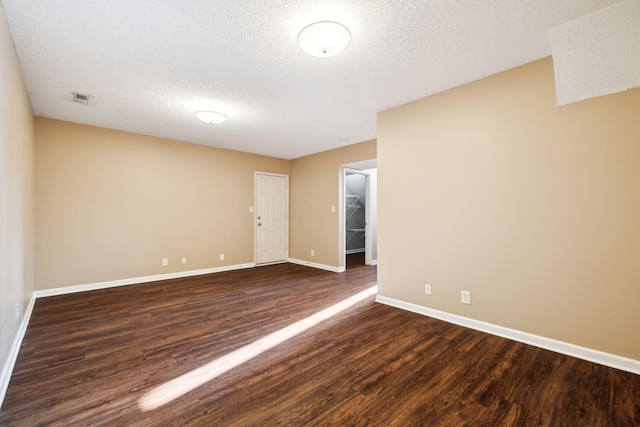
<point x="175" y="388"/>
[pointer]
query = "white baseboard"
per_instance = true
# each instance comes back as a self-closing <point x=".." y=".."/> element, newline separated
<point x="137" y="280"/>
<point x="595" y="356"/>
<point x="373" y="262"/>
<point x="7" y="370"/>
<point x="315" y="265"/>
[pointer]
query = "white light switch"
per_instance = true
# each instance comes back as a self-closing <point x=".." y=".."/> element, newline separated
<point x="465" y="297"/>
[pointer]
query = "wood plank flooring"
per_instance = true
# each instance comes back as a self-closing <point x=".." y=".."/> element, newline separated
<point x="87" y="359"/>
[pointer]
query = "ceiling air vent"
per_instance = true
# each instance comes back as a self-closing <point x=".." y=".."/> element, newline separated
<point x="80" y="98"/>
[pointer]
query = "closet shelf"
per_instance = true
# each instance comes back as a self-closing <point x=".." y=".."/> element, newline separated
<point x="355" y="232"/>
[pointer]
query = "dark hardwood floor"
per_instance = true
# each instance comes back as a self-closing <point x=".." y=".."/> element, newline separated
<point x="355" y="260"/>
<point x="88" y="359"/>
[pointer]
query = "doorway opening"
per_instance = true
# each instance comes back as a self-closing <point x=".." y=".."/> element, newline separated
<point x="358" y="222"/>
<point x="355" y="199"/>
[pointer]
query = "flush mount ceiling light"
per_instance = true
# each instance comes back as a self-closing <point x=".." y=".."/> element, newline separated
<point x="210" y="116"/>
<point x="324" y="39"/>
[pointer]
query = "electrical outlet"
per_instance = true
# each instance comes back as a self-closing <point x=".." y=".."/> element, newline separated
<point x="465" y="297"/>
<point x="313" y="253"/>
<point x="250" y="209"/>
<point x="184" y="259"/>
<point x="165" y="261"/>
<point x="221" y="257"/>
<point x="427" y="289"/>
<point x="333" y="209"/>
<point x="17" y="311"/>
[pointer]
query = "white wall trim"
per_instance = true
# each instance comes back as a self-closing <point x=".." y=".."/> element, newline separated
<point x="137" y="280"/>
<point x="595" y="356"/>
<point x="15" y="349"/>
<point x="316" y="265"/>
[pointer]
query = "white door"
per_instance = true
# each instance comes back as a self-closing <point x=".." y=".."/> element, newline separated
<point x="272" y="219"/>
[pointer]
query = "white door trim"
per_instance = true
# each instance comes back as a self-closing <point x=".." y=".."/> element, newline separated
<point x="255" y="205"/>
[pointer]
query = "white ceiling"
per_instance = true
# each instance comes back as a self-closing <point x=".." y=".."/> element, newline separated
<point x="148" y="65"/>
<point x="597" y="54"/>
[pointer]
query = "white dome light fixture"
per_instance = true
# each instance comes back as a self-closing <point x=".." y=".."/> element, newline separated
<point x="210" y="116"/>
<point x="324" y="39"/>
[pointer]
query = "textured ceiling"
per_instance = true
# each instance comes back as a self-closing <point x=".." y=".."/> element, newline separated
<point x="148" y="65"/>
<point x="606" y="59"/>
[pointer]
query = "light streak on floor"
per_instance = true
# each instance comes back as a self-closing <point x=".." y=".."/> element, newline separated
<point x="185" y="383"/>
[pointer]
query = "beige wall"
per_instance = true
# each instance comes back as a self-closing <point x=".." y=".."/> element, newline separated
<point x="111" y="204"/>
<point x="490" y="187"/>
<point x="314" y="190"/>
<point x="16" y="197"/>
